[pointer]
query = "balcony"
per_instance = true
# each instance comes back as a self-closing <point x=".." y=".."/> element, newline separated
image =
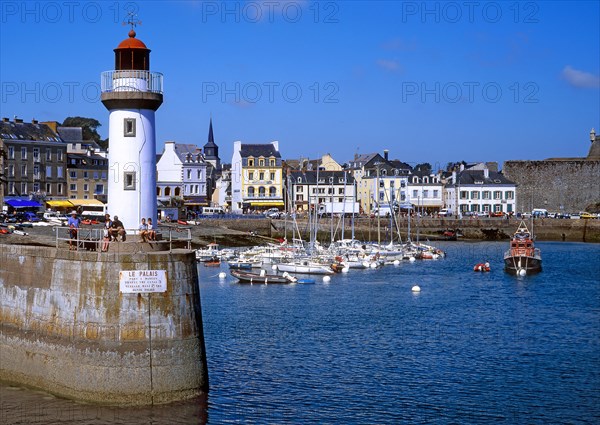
<point x="132" y="81"/>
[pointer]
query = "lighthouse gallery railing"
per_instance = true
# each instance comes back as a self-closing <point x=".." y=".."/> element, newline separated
<point x="131" y="80"/>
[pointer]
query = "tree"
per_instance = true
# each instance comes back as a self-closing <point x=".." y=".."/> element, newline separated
<point x="424" y="167"/>
<point x="89" y="128"/>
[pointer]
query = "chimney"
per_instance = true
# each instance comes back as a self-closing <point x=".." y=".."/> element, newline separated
<point x="486" y="173"/>
<point x="385" y="154"/>
<point x="592" y="135"/>
<point x="34" y="121"/>
<point x="5" y="120"/>
<point x="18" y="120"/>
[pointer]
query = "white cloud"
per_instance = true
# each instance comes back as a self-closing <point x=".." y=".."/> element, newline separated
<point x="389" y="65"/>
<point x="580" y="79"/>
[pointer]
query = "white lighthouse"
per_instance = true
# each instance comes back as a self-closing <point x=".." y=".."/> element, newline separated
<point x="132" y="94"/>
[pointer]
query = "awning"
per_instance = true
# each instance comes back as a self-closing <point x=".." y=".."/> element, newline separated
<point x="22" y="203"/>
<point x="266" y="204"/>
<point x="86" y="202"/>
<point x="59" y="204"/>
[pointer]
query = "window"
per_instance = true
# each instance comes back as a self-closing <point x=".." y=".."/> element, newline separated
<point x="48" y="188"/>
<point x="59" y="172"/>
<point x="300" y="197"/>
<point x="381" y="183"/>
<point x="48" y="171"/>
<point x="261" y="192"/>
<point x="177" y="191"/>
<point x="250" y="162"/>
<point x="36" y="154"/>
<point x="86" y="187"/>
<point x="11" y="170"/>
<point x="474" y="194"/>
<point x="86" y="175"/>
<point x="129" y="127"/>
<point x="36" y="172"/>
<point x="251" y="192"/>
<point x="73" y="174"/>
<point x="415" y="194"/>
<point x="299" y="181"/>
<point x="23" y="170"/>
<point x="59" y="189"/>
<point x="261" y="162"/>
<point x="251" y="175"/>
<point x="425" y="194"/>
<point x="497" y="194"/>
<point x="189" y="174"/>
<point x="129" y="180"/>
<point x="96" y="175"/>
<point x="272" y="162"/>
<point x="103" y="175"/>
<point x="59" y="155"/>
<point x="509" y="194"/>
<point x="464" y="194"/>
<point x="486" y="207"/>
<point x="11" y="188"/>
<point x="11" y="152"/>
<point x="48" y="155"/>
<point x="486" y="194"/>
<point x="36" y="187"/>
<point x="272" y="192"/>
<point x="158" y="191"/>
<point x="402" y="183"/>
<point x="381" y="196"/>
<point x="436" y="193"/>
<point x="340" y="191"/>
<point x="272" y="177"/>
<point x="73" y="187"/>
<point x="198" y="174"/>
<point x="167" y="191"/>
<point x="261" y="175"/>
<point x="23" y="153"/>
<point x="425" y="179"/>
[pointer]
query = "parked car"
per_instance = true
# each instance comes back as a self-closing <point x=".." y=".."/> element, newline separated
<point x="575" y="216"/>
<point x="585" y="214"/>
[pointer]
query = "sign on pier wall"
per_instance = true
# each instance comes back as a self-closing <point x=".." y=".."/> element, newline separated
<point x="142" y="281"/>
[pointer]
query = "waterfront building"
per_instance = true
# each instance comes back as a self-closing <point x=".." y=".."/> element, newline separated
<point x="34" y="161"/>
<point x="477" y="190"/>
<point x="182" y="172"/>
<point x="132" y="94"/>
<point x="87" y="176"/>
<point x="256" y="177"/>
<point x="425" y="191"/>
<point x="309" y="188"/>
<point x="364" y="189"/>
<point x="326" y="162"/>
<point x="222" y="193"/>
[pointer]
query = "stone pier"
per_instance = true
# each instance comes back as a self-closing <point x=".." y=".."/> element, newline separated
<point x="66" y="328"/>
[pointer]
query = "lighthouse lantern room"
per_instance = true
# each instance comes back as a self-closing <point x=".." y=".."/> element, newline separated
<point x="132" y="94"/>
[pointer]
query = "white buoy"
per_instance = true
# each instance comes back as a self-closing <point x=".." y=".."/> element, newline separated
<point x="522" y="272"/>
<point x="346" y="269"/>
<point x="326" y="278"/>
<point x="396" y="262"/>
<point x="416" y="288"/>
<point x="222" y="275"/>
<point x="373" y="265"/>
<point x="412" y="259"/>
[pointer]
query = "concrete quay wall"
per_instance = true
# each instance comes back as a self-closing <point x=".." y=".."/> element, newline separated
<point x="66" y="328"/>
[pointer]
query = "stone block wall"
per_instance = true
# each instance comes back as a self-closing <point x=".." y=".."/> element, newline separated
<point x="66" y="328"/>
<point x="550" y="184"/>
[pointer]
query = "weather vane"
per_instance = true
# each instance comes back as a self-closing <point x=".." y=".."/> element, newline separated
<point x="131" y="19"/>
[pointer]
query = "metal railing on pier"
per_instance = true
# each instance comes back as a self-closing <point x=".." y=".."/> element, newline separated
<point x="95" y="239"/>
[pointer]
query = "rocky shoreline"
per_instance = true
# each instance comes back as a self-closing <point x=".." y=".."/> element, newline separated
<point x="251" y="231"/>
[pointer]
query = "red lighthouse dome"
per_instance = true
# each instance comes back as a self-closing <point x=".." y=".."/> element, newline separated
<point x="132" y="54"/>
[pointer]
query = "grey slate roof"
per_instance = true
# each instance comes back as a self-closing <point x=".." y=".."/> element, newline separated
<point x="70" y="134"/>
<point x="468" y="177"/>
<point x="310" y="177"/>
<point x="182" y="150"/>
<point x="27" y="131"/>
<point x="256" y="150"/>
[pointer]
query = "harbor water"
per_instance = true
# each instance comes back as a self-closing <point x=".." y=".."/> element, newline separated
<point x="469" y="348"/>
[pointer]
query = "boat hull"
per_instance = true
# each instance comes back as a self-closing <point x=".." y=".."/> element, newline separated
<point x="531" y="265"/>
<point x="245" y="277"/>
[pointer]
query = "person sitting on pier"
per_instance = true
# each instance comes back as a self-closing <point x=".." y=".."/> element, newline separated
<point x="143" y="230"/>
<point x="106" y="237"/>
<point x="117" y="229"/>
<point x="151" y="230"/>
<point x="73" y="224"/>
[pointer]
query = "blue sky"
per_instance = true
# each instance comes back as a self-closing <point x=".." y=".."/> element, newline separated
<point x="432" y="82"/>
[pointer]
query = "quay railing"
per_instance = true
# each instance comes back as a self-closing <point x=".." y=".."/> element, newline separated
<point x="92" y="239"/>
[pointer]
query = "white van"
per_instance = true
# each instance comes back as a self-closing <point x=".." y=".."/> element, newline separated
<point x="539" y="212"/>
<point x="213" y="211"/>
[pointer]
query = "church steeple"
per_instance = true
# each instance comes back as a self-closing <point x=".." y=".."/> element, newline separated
<point x="211" y="150"/>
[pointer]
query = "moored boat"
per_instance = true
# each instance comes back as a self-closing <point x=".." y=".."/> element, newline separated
<point x="262" y="277"/>
<point x="522" y="258"/>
